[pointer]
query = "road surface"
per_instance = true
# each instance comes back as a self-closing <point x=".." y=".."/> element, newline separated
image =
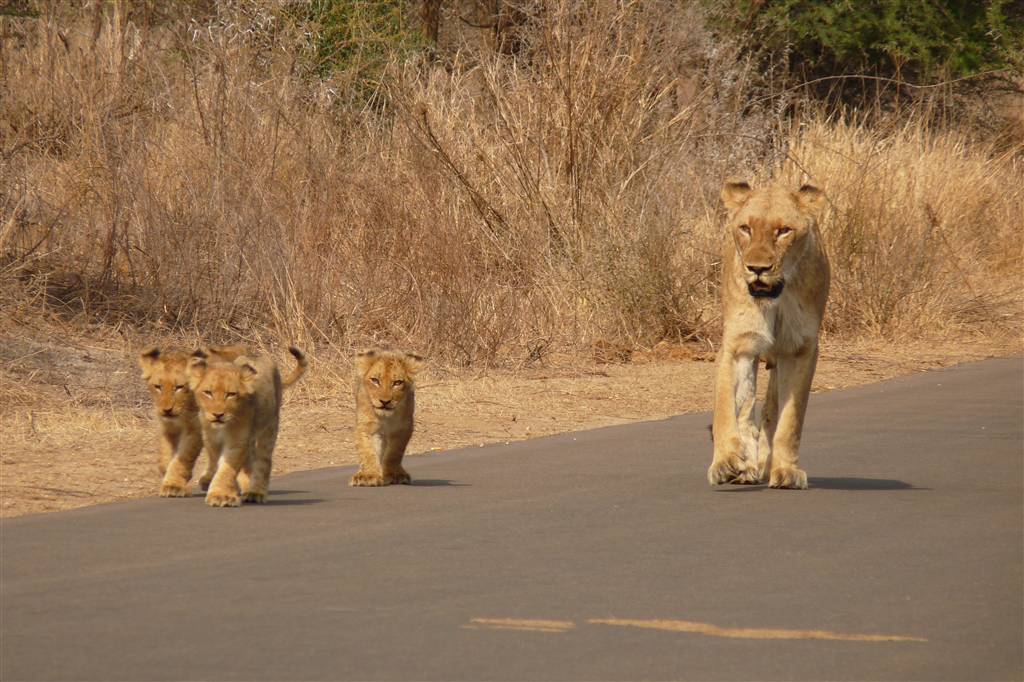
<point x="597" y="555"/>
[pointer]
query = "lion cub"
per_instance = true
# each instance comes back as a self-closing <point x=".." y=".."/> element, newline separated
<point x="385" y="401"/>
<point x="240" y="406"/>
<point x="775" y="281"/>
<point x="180" y="431"/>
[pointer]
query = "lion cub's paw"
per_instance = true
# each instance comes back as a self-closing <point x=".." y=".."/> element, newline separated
<point x="173" y="490"/>
<point x="366" y="480"/>
<point x="204" y="482"/>
<point x="400" y="477"/>
<point x="255" y="497"/>
<point x="789" y="477"/>
<point x="223" y="499"/>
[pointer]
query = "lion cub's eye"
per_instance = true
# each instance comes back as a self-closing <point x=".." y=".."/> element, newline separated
<point x="156" y="386"/>
<point x="179" y="387"/>
<point x="375" y="380"/>
<point x="782" y="232"/>
<point x="208" y="394"/>
<point x="745" y="229"/>
<point x="231" y="395"/>
<point x="397" y="382"/>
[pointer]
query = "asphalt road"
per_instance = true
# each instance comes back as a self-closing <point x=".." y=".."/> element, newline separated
<point x="590" y="556"/>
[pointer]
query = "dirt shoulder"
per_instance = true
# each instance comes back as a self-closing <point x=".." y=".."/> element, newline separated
<point x="77" y="428"/>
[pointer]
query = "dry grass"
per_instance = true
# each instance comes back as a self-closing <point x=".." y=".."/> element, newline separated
<point x="489" y="210"/>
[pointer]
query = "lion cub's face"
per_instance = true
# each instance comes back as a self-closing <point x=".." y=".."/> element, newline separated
<point x="769" y="226"/>
<point x="167" y="380"/>
<point x="386" y="377"/>
<point x="220" y="387"/>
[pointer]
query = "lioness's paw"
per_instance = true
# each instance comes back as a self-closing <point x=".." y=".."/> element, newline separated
<point x="173" y="490"/>
<point x="366" y="480"/>
<point x="204" y="482"/>
<point x="724" y="470"/>
<point x="789" y="477"/>
<point x="223" y="499"/>
<point x="749" y="476"/>
<point x="398" y="478"/>
<point x="255" y="497"/>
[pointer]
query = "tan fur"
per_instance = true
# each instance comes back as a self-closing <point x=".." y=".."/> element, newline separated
<point x="178" y="415"/>
<point x="385" y="403"/>
<point x="772" y="241"/>
<point x="240" y="411"/>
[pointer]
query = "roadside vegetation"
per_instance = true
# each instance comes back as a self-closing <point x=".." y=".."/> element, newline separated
<point x="490" y="187"/>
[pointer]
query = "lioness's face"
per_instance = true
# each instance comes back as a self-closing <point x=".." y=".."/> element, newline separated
<point x="166" y="378"/>
<point x="769" y="226"/>
<point x="387" y="378"/>
<point x="220" y="387"/>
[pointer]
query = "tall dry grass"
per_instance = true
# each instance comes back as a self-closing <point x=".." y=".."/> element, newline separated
<point x="191" y="178"/>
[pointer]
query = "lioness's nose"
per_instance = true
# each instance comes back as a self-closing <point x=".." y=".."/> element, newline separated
<point x="168" y="411"/>
<point x="218" y="415"/>
<point x="758" y="269"/>
<point x="385" y="403"/>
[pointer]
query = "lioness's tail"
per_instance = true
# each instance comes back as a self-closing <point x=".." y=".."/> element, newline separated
<point x="300" y="367"/>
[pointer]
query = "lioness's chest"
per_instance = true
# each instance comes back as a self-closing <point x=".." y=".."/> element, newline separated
<point x="784" y="326"/>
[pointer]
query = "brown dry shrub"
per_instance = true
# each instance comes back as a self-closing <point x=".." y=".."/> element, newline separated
<point x="487" y="209"/>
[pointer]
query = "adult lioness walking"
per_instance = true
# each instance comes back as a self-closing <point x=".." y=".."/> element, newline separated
<point x="775" y="280"/>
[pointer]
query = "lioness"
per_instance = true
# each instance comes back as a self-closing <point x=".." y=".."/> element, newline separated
<point x="240" y="406"/>
<point x="180" y="431"/>
<point x="385" y="401"/>
<point x="775" y="280"/>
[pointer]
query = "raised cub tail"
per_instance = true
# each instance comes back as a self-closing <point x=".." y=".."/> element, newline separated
<point x="300" y="368"/>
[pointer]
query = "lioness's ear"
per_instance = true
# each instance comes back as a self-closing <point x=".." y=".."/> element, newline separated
<point x="196" y="368"/>
<point x="735" y="194"/>
<point x="413" y="362"/>
<point x="365" y="359"/>
<point x="147" y="359"/>
<point x="810" y="198"/>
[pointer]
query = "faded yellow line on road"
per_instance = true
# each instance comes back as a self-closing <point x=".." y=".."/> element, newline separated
<point x="519" y="624"/>
<point x="749" y="633"/>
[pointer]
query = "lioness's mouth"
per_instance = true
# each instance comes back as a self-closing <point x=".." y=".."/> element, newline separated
<point x="760" y="289"/>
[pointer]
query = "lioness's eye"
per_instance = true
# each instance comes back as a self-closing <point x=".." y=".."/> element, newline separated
<point x="745" y="229"/>
<point x="179" y="387"/>
<point x="782" y="232"/>
<point x="208" y="394"/>
<point x="397" y="382"/>
<point x="231" y="395"/>
<point x="156" y="386"/>
<point x="375" y="380"/>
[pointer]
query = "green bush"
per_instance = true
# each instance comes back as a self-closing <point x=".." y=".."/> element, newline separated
<point x="918" y="41"/>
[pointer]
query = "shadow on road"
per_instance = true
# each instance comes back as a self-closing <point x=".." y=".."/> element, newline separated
<point x="854" y="483"/>
<point x="835" y="483"/>
<point x="433" y="482"/>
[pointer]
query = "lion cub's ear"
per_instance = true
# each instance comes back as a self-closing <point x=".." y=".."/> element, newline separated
<point x="147" y="360"/>
<point x="810" y="198"/>
<point x="365" y="359"/>
<point x="735" y="194"/>
<point x="197" y="364"/>
<point x="413" y="362"/>
<point x="248" y="372"/>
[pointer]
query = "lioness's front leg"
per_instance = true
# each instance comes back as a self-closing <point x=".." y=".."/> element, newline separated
<point x="179" y="468"/>
<point x="795" y="374"/>
<point x="368" y="447"/>
<point x="735" y="388"/>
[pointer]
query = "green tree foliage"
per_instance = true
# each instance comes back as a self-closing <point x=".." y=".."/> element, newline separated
<point x="358" y="36"/>
<point x="915" y="40"/>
